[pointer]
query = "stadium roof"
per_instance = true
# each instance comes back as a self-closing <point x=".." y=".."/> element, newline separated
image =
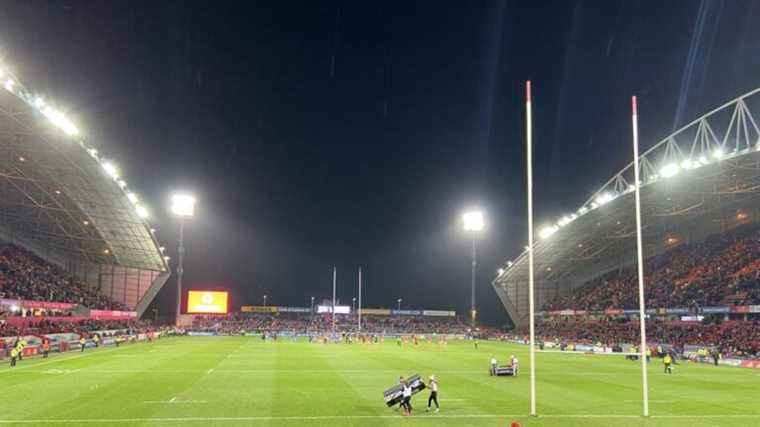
<point x="700" y="180"/>
<point x="59" y="193"/>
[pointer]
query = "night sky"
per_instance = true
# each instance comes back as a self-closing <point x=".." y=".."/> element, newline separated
<point x="355" y="133"/>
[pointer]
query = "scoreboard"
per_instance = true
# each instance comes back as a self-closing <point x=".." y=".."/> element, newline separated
<point x="207" y="302"/>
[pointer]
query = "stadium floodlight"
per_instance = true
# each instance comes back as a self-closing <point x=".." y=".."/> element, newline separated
<point x="669" y="170"/>
<point x="142" y="212"/>
<point x="132" y="197"/>
<point x="473" y="221"/>
<point x="604" y="198"/>
<point x="59" y="120"/>
<point x="547" y="231"/>
<point x="111" y="170"/>
<point x="398" y="301"/>
<point x="500" y="271"/>
<point x="718" y="153"/>
<point x="9" y="85"/>
<point x="183" y="205"/>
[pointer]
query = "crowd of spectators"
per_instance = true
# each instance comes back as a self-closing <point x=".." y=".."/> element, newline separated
<point x="25" y="276"/>
<point x="86" y="326"/>
<point x="307" y="323"/>
<point x="738" y="338"/>
<point x="725" y="269"/>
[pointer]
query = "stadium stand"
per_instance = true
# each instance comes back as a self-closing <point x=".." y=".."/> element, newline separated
<point x="26" y="276"/>
<point x="725" y="269"/>
<point x="320" y="323"/>
<point x="732" y="338"/>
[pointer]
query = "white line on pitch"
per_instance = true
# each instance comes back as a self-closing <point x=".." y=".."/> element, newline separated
<point x="348" y="417"/>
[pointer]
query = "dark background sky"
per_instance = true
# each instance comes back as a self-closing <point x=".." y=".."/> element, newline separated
<point x="355" y="133"/>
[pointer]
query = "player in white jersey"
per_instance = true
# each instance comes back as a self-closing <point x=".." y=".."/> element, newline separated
<point x="514" y="363"/>
<point x="433" y="386"/>
<point x="406" y="401"/>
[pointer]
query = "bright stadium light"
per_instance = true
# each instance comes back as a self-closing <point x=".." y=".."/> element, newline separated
<point x="183" y="205"/>
<point x="718" y="153"/>
<point x="9" y="85"/>
<point x="566" y="220"/>
<point x="142" y="212"/>
<point x="111" y="170"/>
<point x="669" y="170"/>
<point x="604" y="198"/>
<point x="500" y="271"/>
<point x="132" y="197"/>
<point x="473" y="221"/>
<point x="547" y="231"/>
<point x="58" y="119"/>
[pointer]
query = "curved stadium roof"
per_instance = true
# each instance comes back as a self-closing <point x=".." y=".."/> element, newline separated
<point x="700" y="180"/>
<point x="62" y="198"/>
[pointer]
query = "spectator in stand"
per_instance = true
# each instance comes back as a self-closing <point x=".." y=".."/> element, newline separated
<point x="723" y="270"/>
<point x="26" y="276"/>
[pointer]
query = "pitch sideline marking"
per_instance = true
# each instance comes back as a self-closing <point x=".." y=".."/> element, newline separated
<point x="343" y="417"/>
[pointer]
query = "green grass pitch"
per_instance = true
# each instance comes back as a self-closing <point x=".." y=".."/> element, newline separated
<point x="242" y="381"/>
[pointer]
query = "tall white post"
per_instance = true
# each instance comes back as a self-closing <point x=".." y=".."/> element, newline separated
<point x="531" y="310"/>
<point x="640" y="258"/>
<point x="335" y="277"/>
<point x="360" y="299"/>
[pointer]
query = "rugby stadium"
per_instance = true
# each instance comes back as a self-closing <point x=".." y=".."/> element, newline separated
<point x="81" y="269"/>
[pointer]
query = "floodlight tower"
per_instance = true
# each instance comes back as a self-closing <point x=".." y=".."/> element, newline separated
<point x="473" y="223"/>
<point x="183" y="206"/>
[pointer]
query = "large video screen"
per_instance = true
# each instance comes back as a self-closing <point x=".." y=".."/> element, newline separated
<point x="207" y="302"/>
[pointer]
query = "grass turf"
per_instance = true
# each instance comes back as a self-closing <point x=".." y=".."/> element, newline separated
<point x="234" y="381"/>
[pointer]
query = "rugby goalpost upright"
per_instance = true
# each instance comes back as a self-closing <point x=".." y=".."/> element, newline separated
<point x="640" y="258"/>
<point x="531" y="308"/>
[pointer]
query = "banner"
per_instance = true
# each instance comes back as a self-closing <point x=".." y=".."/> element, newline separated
<point x="376" y="311"/>
<point x="441" y="313"/>
<point x="613" y="311"/>
<point x="407" y="312"/>
<point x="715" y="310"/>
<point x="258" y="309"/>
<point x="677" y="310"/>
<point x="37" y="304"/>
<point x="755" y="364"/>
<point x="294" y="309"/>
<point x="112" y="314"/>
<point x="740" y="309"/>
<point x="754" y="309"/>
